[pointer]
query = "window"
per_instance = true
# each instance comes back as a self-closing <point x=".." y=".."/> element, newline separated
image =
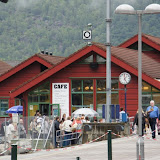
<point x="101" y="93"/>
<point x="82" y="94"/>
<point x="149" y="93"/>
<point x="17" y="102"/>
<point x="40" y="94"/>
<point x="87" y="60"/>
<point x="3" y="107"/>
<point x="101" y="59"/>
<point x="145" y="47"/>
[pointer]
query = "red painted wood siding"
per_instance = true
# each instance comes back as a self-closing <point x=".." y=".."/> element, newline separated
<point x="84" y="70"/>
<point x="18" y="78"/>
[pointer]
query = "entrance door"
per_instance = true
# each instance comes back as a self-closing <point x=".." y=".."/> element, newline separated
<point x="32" y="110"/>
<point x="44" y="109"/>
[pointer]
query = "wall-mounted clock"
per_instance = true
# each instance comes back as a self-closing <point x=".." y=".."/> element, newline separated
<point x="124" y="78"/>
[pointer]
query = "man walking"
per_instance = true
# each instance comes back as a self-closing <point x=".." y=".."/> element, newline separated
<point x="153" y="112"/>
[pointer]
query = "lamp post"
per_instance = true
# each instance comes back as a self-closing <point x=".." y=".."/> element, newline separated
<point x="150" y="9"/>
<point x="108" y="61"/>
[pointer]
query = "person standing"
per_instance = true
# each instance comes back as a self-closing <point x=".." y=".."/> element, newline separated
<point x="68" y="131"/>
<point x="21" y="129"/>
<point x="78" y="123"/>
<point x="120" y="114"/>
<point x="56" y="130"/>
<point x="12" y="131"/>
<point x="136" y="122"/>
<point x="153" y="113"/>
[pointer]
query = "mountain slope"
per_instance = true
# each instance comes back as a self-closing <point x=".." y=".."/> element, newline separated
<point x="28" y="26"/>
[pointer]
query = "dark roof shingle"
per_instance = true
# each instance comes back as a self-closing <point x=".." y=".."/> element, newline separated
<point x="51" y="59"/>
<point x="4" y="67"/>
<point x="129" y="56"/>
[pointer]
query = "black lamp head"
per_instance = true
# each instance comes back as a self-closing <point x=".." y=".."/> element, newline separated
<point x="4" y="1"/>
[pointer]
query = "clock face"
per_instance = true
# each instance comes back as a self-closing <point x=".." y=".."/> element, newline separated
<point x="124" y="78"/>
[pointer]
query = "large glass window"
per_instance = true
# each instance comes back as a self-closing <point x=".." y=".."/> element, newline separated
<point x="101" y="93"/>
<point x="3" y="107"/>
<point x="40" y="94"/>
<point x="39" y="99"/>
<point x="82" y="94"/>
<point x="149" y="93"/>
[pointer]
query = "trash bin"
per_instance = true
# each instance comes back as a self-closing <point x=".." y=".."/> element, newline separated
<point x="124" y="117"/>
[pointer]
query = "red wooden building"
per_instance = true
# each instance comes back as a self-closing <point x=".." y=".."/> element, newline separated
<point x="79" y="80"/>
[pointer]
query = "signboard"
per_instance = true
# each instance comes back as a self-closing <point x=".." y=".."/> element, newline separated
<point x="15" y="117"/>
<point x="31" y="107"/>
<point x="60" y="95"/>
<point x="55" y="110"/>
<point x="87" y="35"/>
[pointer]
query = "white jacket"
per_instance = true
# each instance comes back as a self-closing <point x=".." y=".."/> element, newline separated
<point x="66" y="125"/>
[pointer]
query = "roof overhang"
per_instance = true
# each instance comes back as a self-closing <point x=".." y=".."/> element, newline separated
<point x="23" y="65"/>
<point x="77" y="55"/>
<point x="145" y="39"/>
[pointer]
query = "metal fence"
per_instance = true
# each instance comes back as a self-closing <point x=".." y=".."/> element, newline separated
<point x="64" y="139"/>
<point x="33" y="133"/>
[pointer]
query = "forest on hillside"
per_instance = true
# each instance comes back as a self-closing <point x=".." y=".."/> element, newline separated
<point x="29" y="26"/>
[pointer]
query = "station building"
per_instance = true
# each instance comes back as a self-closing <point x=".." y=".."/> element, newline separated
<point x="80" y="80"/>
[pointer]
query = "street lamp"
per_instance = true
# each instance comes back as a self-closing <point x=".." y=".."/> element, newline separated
<point x="150" y="9"/>
<point x="4" y="1"/>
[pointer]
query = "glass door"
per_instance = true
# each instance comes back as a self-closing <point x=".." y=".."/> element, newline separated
<point x="44" y="109"/>
<point x="32" y="109"/>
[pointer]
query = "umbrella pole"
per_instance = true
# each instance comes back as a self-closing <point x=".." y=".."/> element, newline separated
<point x="5" y="130"/>
<point x="18" y="129"/>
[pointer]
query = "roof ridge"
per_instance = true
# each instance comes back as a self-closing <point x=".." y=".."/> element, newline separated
<point x="150" y="35"/>
<point x="17" y="65"/>
<point x="133" y="62"/>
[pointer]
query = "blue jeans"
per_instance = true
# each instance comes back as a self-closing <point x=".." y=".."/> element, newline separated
<point x="67" y="138"/>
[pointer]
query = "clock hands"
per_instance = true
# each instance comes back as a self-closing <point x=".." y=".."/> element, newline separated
<point x="125" y="77"/>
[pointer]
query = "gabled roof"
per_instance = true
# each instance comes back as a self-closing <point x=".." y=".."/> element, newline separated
<point x="46" y="60"/>
<point x="4" y="67"/>
<point x="129" y="56"/>
<point x="51" y="59"/>
<point x="152" y="41"/>
<point x="123" y="57"/>
<point x="13" y="63"/>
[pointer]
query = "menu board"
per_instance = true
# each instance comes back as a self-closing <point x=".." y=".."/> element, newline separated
<point x="60" y="95"/>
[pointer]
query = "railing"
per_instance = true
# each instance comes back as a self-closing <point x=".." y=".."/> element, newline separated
<point x="64" y="139"/>
<point x="36" y="133"/>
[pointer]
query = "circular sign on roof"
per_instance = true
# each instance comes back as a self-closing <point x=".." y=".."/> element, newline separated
<point x="87" y="35"/>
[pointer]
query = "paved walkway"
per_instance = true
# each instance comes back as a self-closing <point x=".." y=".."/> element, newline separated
<point x="123" y="148"/>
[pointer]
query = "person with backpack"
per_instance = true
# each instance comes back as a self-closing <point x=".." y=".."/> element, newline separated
<point x="78" y="129"/>
<point x="136" y="122"/>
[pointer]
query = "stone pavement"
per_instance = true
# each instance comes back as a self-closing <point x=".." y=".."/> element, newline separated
<point x="122" y="149"/>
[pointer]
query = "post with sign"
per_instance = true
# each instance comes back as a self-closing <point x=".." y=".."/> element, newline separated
<point x="87" y="34"/>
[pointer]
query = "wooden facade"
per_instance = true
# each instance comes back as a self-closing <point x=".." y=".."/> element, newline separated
<point x="20" y="81"/>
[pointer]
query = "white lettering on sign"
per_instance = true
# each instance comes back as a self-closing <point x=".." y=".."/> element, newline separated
<point x="60" y="95"/>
